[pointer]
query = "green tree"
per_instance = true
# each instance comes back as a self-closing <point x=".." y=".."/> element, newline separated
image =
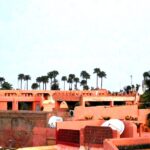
<point x="2" y="80"/>
<point x="85" y="75"/>
<point x="50" y="76"/>
<point x="55" y="85"/>
<point x="39" y="80"/>
<point x="146" y="76"/>
<point x="76" y="80"/>
<point x="55" y="74"/>
<point x="21" y="78"/>
<point x="70" y="80"/>
<point x="45" y="81"/>
<point x="6" y="86"/>
<point x="145" y="97"/>
<point x="27" y="78"/>
<point x="145" y="100"/>
<point x="34" y="86"/>
<point x="102" y="75"/>
<point x="64" y="79"/>
<point x="96" y="71"/>
<point x="84" y="84"/>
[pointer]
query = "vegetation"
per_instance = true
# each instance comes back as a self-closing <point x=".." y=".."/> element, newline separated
<point x="99" y="74"/>
<point x="34" y="86"/>
<point x="6" y="86"/>
<point x="145" y="98"/>
<point x="64" y="79"/>
<point x="21" y="78"/>
<point x="72" y="79"/>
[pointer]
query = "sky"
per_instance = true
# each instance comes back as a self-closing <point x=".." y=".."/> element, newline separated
<point x="38" y="36"/>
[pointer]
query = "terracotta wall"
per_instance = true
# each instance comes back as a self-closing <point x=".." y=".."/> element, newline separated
<point x="20" y="127"/>
<point x="101" y="111"/>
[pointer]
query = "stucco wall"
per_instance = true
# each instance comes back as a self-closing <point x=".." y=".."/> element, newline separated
<point x="101" y="111"/>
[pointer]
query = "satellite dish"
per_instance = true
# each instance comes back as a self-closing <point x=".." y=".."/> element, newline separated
<point x="52" y="121"/>
<point x="115" y="124"/>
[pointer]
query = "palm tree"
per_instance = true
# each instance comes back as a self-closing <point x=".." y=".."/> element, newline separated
<point x="45" y="81"/>
<point x="76" y="80"/>
<point x="64" y="78"/>
<point x="34" y="86"/>
<point x="85" y="75"/>
<point x="39" y="80"/>
<point x="55" y="73"/>
<point x="102" y="75"/>
<point x="50" y="76"/>
<point x="97" y="71"/>
<point x="2" y="79"/>
<point x="21" y="77"/>
<point x="27" y="78"/>
<point x="83" y="83"/>
<point x="70" y="80"/>
<point x="55" y="85"/>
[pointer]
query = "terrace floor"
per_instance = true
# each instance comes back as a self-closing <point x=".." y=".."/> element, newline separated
<point x="59" y="147"/>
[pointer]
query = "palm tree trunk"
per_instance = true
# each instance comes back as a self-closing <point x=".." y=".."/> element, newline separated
<point x="64" y="85"/>
<point x="76" y="85"/>
<point x="27" y="84"/>
<point x="101" y="82"/>
<point x="97" y="81"/>
<point x="51" y="85"/>
<point x="43" y="85"/>
<point x="21" y="84"/>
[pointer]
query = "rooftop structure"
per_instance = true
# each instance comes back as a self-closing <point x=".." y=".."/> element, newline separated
<point x="31" y="110"/>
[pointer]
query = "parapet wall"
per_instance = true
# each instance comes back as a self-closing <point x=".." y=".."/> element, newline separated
<point x="16" y="128"/>
<point x="99" y="112"/>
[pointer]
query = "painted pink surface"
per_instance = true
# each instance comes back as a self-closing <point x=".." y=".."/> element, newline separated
<point x="130" y="128"/>
<point x="100" y="111"/>
<point x="143" y="114"/>
<point x="77" y="124"/>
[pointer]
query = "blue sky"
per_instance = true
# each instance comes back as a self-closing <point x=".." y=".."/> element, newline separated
<point x="38" y="36"/>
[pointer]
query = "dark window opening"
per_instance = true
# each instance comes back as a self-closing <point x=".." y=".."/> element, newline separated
<point x="71" y="105"/>
<point x="118" y="103"/>
<point x="9" y="105"/>
<point x="25" y="105"/>
<point x="91" y="104"/>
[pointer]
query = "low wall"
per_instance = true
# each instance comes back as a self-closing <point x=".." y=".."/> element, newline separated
<point x="17" y="128"/>
<point x="101" y="111"/>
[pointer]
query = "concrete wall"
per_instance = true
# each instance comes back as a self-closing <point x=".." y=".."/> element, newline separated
<point x="19" y="129"/>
